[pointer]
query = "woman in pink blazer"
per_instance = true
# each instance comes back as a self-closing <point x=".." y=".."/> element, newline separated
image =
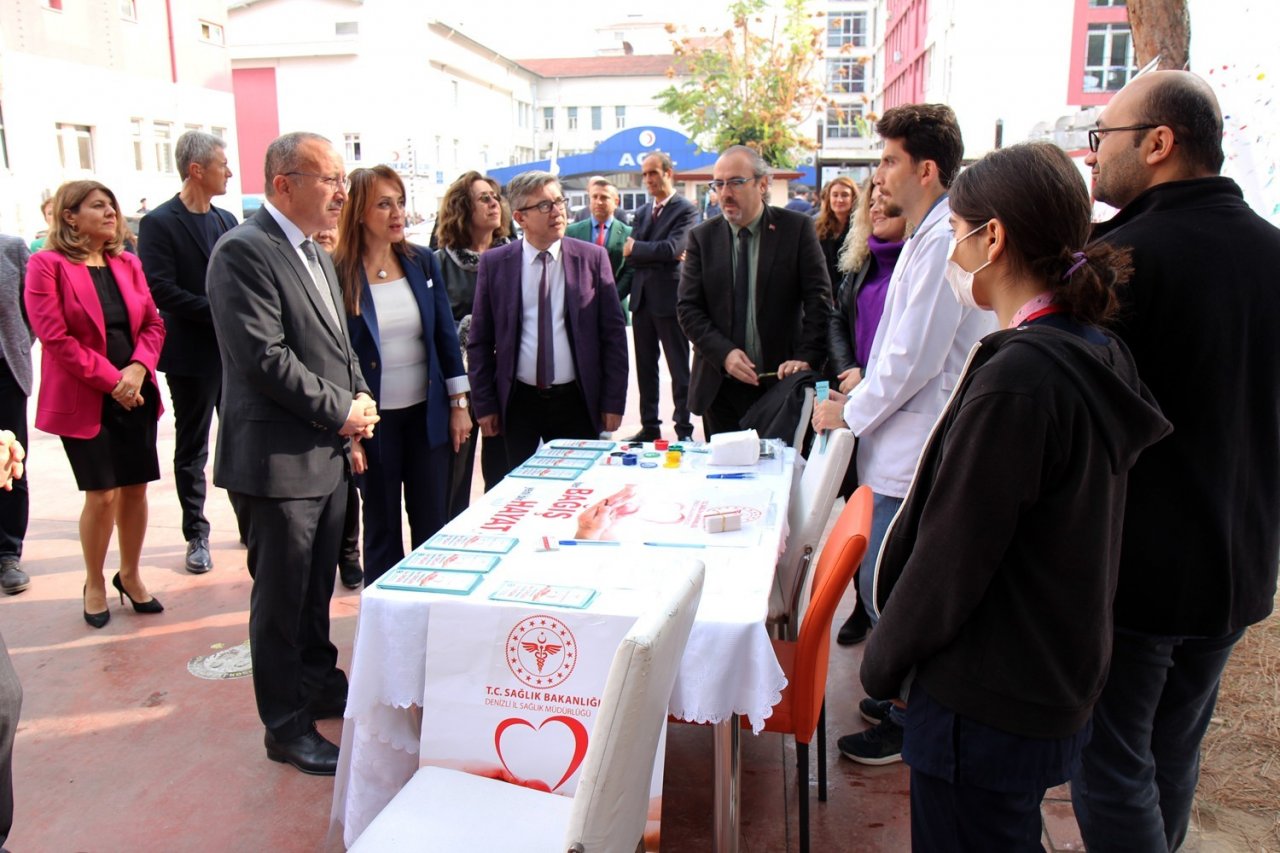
<point x="100" y="336"/>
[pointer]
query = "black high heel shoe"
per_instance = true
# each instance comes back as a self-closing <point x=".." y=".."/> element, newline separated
<point x="152" y="606"/>
<point x="95" y="620"/>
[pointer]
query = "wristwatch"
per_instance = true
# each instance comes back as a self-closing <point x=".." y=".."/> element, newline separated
<point x="458" y="402"/>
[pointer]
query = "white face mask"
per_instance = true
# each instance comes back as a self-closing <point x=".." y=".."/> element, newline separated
<point x="960" y="279"/>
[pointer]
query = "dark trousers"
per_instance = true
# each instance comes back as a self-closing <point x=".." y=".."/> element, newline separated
<point x="195" y="398"/>
<point x="947" y="817"/>
<point x="649" y="331"/>
<point x="533" y="415"/>
<point x="349" y="552"/>
<point x="462" y="466"/>
<point x="401" y="462"/>
<point x="10" y="708"/>
<point x="1135" y="787"/>
<point x="730" y="404"/>
<point x="293" y="549"/>
<point x="15" y="506"/>
<point x="493" y="460"/>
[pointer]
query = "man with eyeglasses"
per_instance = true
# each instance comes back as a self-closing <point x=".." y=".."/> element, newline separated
<point x="292" y="397"/>
<point x="547" y="352"/>
<point x="1201" y="529"/>
<point x="653" y="252"/>
<point x="754" y="296"/>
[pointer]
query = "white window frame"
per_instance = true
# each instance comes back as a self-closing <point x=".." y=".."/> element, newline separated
<point x="1126" y="66"/>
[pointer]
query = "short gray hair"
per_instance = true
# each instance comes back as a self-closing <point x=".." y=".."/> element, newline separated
<point x="758" y="166"/>
<point x="526" y="184"/>
<point x="282" y="155"/>
<point x="196" y="146"/>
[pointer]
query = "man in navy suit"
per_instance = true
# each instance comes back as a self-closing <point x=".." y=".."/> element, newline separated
<point x="653" y="253"/>
<point x="174" y="242"/>
<point x="547" y="354"/>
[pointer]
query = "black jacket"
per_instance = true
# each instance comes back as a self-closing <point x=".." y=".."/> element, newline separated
<point x="840" y="343"/>
<point x="1202" y="319"/>
<point x="1002" y="561"/>
<point x="174" y="259"/>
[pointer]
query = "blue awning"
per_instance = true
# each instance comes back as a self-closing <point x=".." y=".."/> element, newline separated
<point x="622" y="152"/>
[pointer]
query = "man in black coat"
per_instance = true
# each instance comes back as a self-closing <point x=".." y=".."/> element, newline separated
<point x="1202" y="520"/>
<point x="653" y="254"/>
<point x="174" y="243"/>
<point x="754" y="296"/>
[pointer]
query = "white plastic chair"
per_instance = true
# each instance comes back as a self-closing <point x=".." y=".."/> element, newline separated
<point x="807" y="516"/>
<point x="449" y="810"/>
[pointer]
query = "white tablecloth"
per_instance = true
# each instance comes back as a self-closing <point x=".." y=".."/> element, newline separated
<point x="728" y="668"/>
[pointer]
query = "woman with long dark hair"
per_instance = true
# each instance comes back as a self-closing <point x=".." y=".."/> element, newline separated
<point x="473" y="219"/>
<point x="835" y="216"/>
<point x="997" y="575"/>
<point x="402" y="331"/>
<point x="100" y="337"/>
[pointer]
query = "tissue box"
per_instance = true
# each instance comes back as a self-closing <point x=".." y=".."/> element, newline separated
<point x="735" y="448"/>
<point x="723" y="521"/>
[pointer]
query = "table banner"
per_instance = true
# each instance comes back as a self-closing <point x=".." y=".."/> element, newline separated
<point x="512" y="693"/>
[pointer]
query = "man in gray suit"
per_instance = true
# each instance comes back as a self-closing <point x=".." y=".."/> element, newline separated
<point x="292" y="397"/>
<point x="15" y="387"/>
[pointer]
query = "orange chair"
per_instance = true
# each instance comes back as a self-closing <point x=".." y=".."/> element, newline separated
<point x="805" y="660"/>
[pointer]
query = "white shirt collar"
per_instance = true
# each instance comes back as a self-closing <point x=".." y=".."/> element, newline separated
<point x="531" y="253"/>
<point x="292" y="232"/>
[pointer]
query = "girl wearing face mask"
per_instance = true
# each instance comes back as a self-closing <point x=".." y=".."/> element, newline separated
<point x="1002" y="561"/>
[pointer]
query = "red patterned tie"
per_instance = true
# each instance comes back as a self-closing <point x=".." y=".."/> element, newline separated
<point x="600" y="229"/>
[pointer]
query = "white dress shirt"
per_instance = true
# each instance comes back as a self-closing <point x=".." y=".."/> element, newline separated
<point x="530" y="280"/>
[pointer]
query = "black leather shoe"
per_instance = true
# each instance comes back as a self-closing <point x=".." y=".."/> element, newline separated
<point x="855" y="629"/>
<point x="199" y="560"/>
<point x="645" y="435"/>
<point x="684" y="436"/>
<point x="309" y="752"/>
<point x="13" y="579"/>
<point x="351" y="573"/>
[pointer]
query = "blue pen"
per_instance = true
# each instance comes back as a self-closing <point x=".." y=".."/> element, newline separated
<point x="742" y="476"/>
<point x="588" y="542"/>
<point x="676" y="544"/>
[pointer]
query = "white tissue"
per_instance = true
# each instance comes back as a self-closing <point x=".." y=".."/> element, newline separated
<point x="735" y="448"/>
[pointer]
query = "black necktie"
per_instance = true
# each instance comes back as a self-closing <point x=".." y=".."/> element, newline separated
<point x="545" y="369"/>
<point x="741" y="276"/>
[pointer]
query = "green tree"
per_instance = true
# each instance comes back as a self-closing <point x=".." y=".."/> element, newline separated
<point x="754" y="84"/>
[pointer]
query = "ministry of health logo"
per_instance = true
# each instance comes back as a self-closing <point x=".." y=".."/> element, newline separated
<point x="541" y="651"/>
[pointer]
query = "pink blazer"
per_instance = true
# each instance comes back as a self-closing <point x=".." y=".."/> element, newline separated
<point x="67" y="318"/>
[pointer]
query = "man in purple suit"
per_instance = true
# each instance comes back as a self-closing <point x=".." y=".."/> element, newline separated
<point x="547" y="353"/>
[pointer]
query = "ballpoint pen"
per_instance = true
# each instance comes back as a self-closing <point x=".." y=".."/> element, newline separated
<point x="739" y="476"/>
<point x="589" y="542"/>
<point x="676" y="544"/>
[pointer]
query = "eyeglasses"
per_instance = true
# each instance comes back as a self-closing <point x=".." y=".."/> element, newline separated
<point x="333" y="181"/>
<point x="1095" y="134"/>
<point x="487" y="198"/>
<point x="546" y="206"/>
<point x="731" y="183"/>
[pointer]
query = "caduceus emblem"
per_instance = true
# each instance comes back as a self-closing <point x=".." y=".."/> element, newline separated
<point x="541" y="649"/>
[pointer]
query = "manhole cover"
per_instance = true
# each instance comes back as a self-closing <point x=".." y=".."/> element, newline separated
<point x="233" y="662"/>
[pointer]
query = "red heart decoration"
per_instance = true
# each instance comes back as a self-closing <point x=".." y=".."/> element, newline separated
<point x="575" y="727"/>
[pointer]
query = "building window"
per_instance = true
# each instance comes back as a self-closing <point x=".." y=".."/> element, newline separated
<point x="844" y="121"/>
<point x="619" y="117"/>
<point x="846" y="75"/>
<point x="597" y="118"/>
<point x="1109" y="62"/>
<point x="211" y="33"/>
<point x="129" y="10"/>
<point x="548" y="118"/>
<point x="346" y="28"/>
<point x="456" y="158"/>
<point x="457" y="94"/>
<point x="162" y="131"/>
<point x="847" y="28"/>
<point x="1108" y="2"/>
<point x="75" y="147"/>
<point x="352" y="144"/>
<point x="220" y="132"/>
<point x="573" y="118"/>
<point x="135" y="127"/>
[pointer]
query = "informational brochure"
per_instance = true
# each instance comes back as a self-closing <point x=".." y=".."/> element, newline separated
<point x="529" y="471"/>
<point x="473" y="542"/>
<point x="575" y="463"/>
<point x="522" y="592"/>
<point x="581" y="444"/>
<point x="449" y="561"/>
<point x="568" y="453"/>
<point x="427" y="580"/>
